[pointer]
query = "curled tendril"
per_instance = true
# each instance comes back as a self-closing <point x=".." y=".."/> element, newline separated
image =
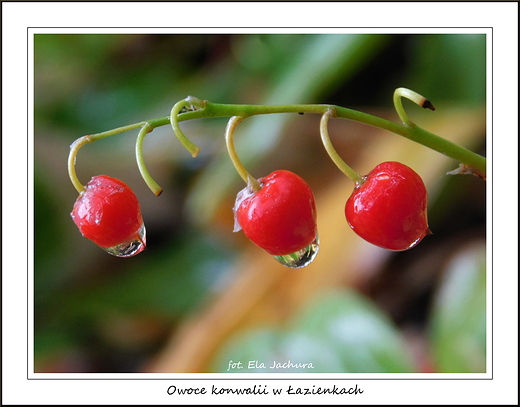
<point x="420" y="100"/>
<point x="188" y="104"/>
<point x="154" y="187"/>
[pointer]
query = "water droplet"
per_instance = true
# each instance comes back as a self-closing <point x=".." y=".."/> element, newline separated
<point x="130" y="248"/>
<point x="301" y="258"/>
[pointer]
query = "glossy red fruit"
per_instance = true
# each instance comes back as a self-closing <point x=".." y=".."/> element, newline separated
<point x="388" y="208"/>
<point x="108" y="213"/>
<point x="281" y="216"/>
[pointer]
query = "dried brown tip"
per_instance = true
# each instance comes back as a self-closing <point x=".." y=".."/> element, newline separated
<point x="466" y="169"/>
<point x="426" y="104"/>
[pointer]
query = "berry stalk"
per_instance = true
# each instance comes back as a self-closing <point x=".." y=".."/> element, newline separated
<point x="251" y="182"/>
<point x="333" y="154"/>
<point x="154" y="187"/>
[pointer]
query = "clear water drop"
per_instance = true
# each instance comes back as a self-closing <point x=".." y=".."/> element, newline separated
<point x="130" y="248"/>
<point x="302" y="257"/>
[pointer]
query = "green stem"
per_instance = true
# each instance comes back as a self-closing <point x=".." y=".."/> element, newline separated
<point x="154" y="187"/>
<point x="205" y="109"/>
<point x="192" y="103"/>
<point x="333" y="154"/>
<point x="251" y="182"/>
<point x="414" y="97"/>
<point x="71" y="164"/>
<point x="74" y="147"/>
<point x="414" y="132"/>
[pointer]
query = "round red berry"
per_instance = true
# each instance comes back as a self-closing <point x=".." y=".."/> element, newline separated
<point x="281" y="216"/>
<point x="108" y="213"/>
<point x="388" y="207"/>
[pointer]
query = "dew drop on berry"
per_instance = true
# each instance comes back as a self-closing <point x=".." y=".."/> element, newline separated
<point x="131" y="247"/>
<point x="302" y="257"/>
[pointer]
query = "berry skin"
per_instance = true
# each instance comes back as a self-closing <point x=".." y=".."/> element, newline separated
<point x="388" y="208"/>
<point x="108" y="213"/>
<point x="281" y="216"/>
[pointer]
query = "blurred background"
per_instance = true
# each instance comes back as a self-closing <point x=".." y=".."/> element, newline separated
<point x="201" y="295"/>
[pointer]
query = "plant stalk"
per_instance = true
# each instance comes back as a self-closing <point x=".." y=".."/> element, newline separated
<point x="206" y="109"/>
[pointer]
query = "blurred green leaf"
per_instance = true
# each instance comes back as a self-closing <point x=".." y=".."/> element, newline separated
<point x="48" y="234"/>
<point x="449" y="67"/>
<point x="458" y="319"/>
<point x="338" y="332"/>
<point x="362" y="336"/>
<point x="166" y="284"/>
<point x="49" y="239"/>
<point x="258" y="345"/>
<point x="260" y="350"/>
<point x="50" y="340"/>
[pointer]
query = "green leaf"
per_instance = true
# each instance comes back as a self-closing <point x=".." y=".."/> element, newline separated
<point x="257" y="345"/>
<point x="449" y="66"/>
<point x="269" y="350"/>
<point x="165" y="284"/>
<point x="364" y="339"/>
<point x="458" y="320"/>
<point x="339" y="332"/>
<point x="50" y="238"/>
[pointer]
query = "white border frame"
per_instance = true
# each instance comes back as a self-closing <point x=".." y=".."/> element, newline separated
<point x="19" y="386"/>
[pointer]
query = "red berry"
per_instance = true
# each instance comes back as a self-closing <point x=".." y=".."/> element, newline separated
<point x="108" y="213"/>
<point x="388" y="208"/>
<point x="281" y="216"/>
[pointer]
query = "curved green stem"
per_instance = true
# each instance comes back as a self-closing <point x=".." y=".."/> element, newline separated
<point x="333" y="154"/>
<point x="192" y="108"/>
<point x="414" y="133"/>
<point x="154" y="187"/>
<point x="192" y="103"/>
<point x="74" y="147"/>
<point x="414" y="97"/>
<point x="251" y="182"/>
<point x="71" y="163"/>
